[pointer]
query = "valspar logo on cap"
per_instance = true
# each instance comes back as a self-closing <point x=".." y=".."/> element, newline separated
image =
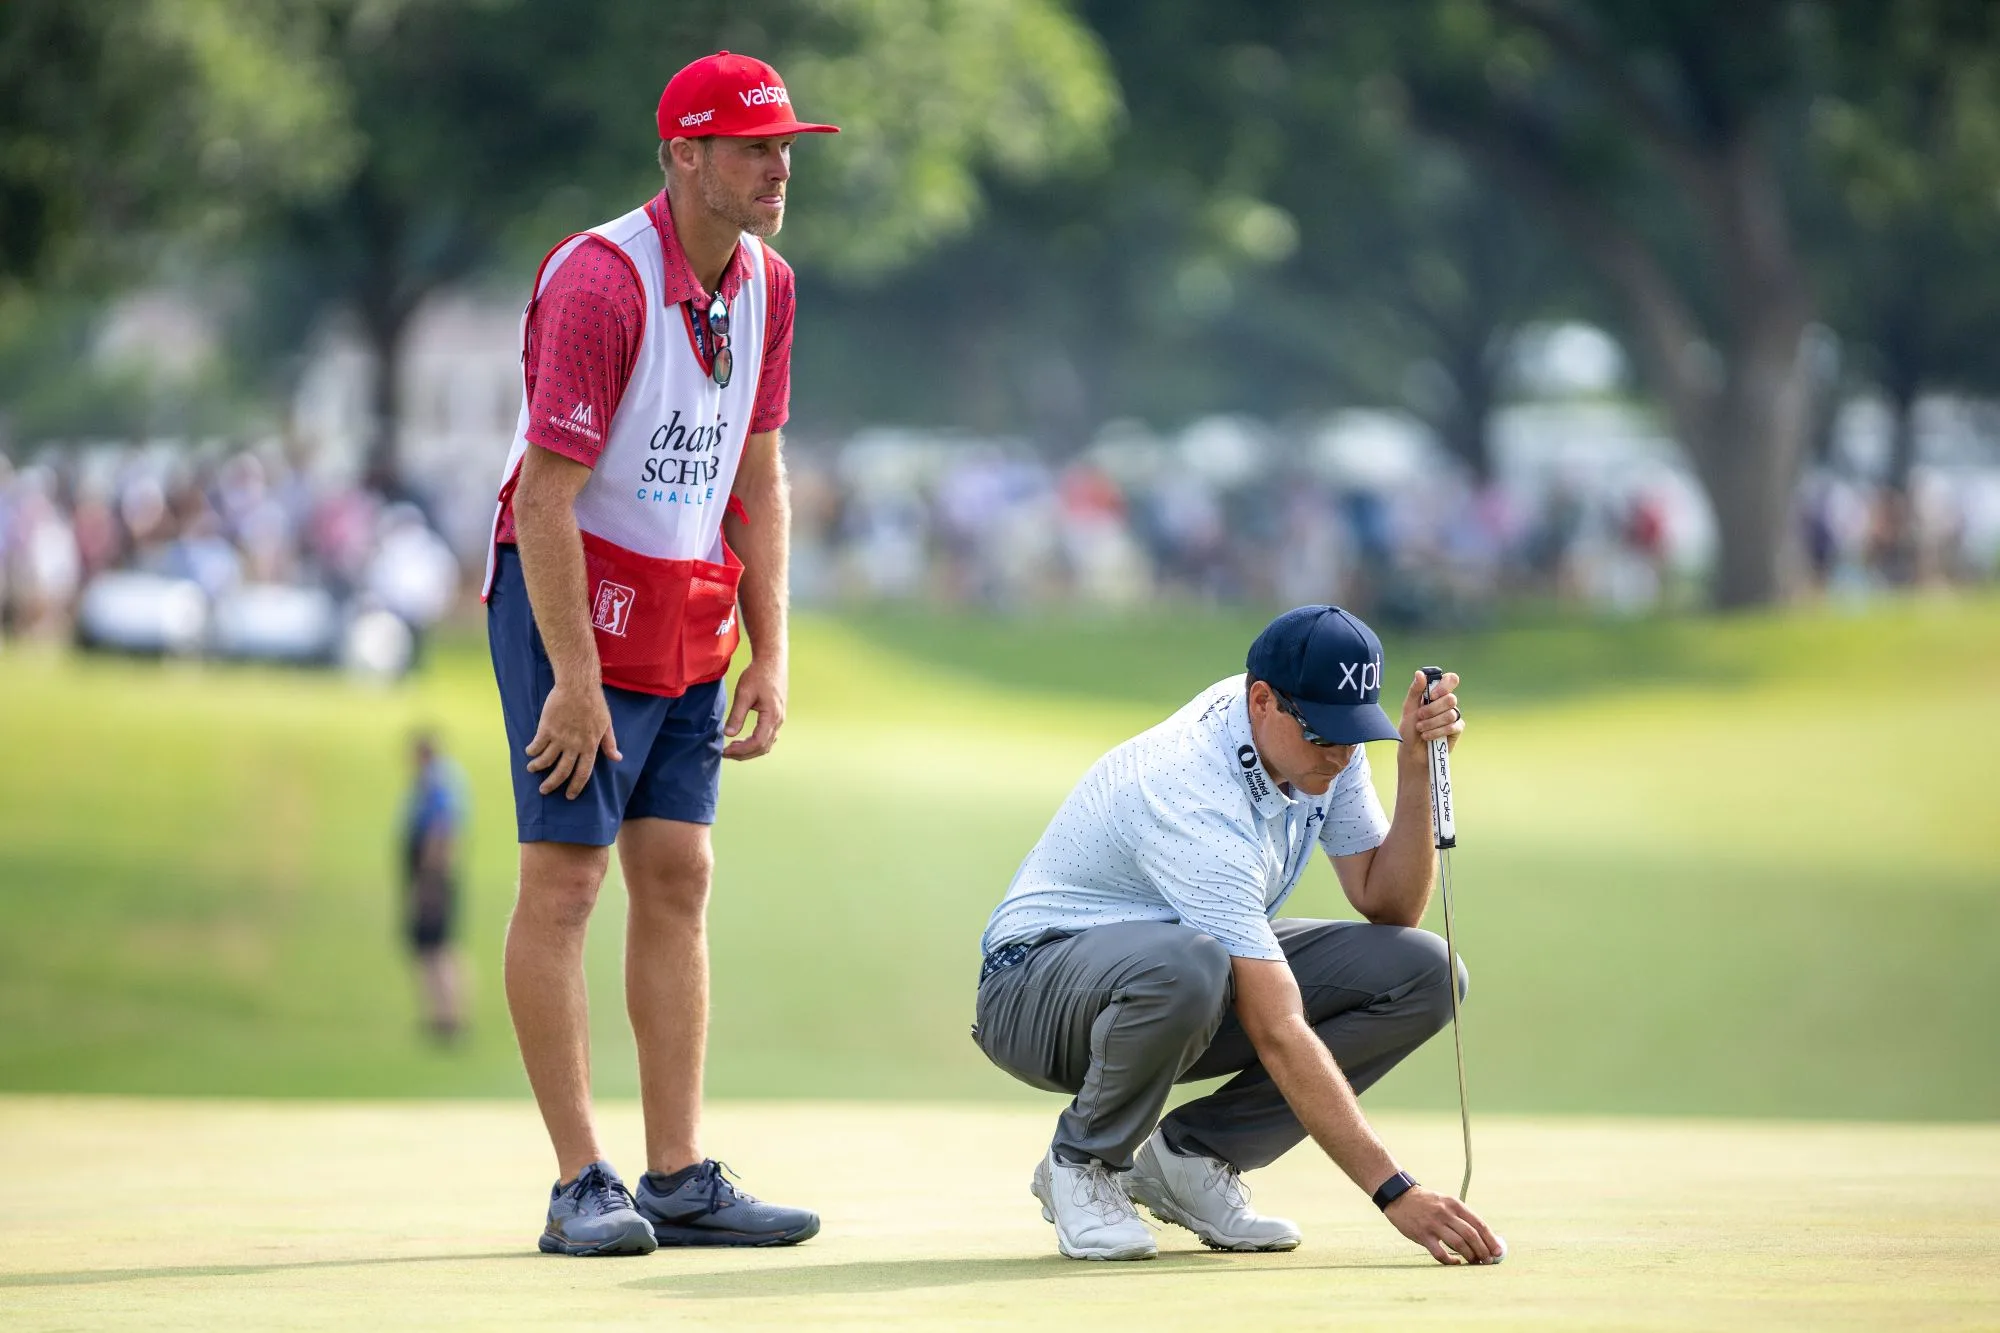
<point x="1362" y="676"/>
<point x="732" y="96"/>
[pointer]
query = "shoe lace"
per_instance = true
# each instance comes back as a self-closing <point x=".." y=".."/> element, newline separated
<point x="1227" y="1181"/>
<point x="718" y="1179"/>
<point x="1097" y="1191"/>
<point x="602" y="1191"/>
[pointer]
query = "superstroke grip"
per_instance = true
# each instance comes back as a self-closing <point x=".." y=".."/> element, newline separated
<point x="1443" y="826"/>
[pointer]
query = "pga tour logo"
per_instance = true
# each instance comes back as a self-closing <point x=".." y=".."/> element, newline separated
<point x="694" y="118"/>
<point x="612" y="611"/>
<point x="766" y="94"/>
<point x="1362" y="676"/>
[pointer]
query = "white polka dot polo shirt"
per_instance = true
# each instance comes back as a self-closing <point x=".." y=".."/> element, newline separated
<point x="1183" y="823"/>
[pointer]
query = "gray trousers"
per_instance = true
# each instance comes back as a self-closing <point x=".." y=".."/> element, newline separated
<point x="1118" y="1014"/>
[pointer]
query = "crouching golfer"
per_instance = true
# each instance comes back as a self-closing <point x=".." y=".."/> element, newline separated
<point x="658" y="361"/>
<point x="1136" y="949"/>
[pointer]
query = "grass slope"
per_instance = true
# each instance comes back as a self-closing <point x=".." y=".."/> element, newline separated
<point x="1736" y="867"/>
<point x="422" y="1215"/>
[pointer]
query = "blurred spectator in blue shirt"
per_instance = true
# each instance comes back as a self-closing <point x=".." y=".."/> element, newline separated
<point x="432" y="823"/>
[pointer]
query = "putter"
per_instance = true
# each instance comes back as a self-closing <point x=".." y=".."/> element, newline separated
<point x="1446" y="830"/>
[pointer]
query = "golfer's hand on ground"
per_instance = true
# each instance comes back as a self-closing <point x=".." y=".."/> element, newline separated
<point x="1437" y="720"/>
<point x="1447" y="1228"/>
<point x="760" y="690"/>
<point x="575" y="728"/>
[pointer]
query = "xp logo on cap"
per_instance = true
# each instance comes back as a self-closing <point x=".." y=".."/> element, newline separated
<point x="1329" y="664"/>
<point x="730" y="96"/>
<point x="1364" y="678"/>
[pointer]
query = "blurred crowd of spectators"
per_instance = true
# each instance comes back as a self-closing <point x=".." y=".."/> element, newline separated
<point x="221" y="520"/>
<point x="1423" y="542"/>
<point x="1223" y="512"/>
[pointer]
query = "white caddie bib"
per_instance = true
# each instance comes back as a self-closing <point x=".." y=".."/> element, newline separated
<point x="651" y="512"/>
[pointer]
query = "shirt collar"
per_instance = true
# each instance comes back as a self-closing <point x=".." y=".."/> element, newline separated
<point x="1265" y="796"/>
<point x="678" y="282"/>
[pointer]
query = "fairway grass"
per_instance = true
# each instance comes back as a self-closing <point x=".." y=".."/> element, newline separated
<point x="234" y="1214"/>
<point x="1706" y="867"/>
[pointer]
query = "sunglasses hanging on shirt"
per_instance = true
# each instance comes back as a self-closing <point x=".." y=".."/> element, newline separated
<point x="722" y="365"/>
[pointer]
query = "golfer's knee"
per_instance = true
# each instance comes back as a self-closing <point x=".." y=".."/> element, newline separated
<point x="1192" y="978"/>
<point x="1431" y="973"/>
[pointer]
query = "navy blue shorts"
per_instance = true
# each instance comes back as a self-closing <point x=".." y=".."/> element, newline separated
<point x="672" y="767"/>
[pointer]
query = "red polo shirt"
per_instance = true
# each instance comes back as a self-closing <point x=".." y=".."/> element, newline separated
<point x="583" y="338"/>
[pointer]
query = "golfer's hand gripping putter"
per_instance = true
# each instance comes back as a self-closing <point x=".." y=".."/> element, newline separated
<point x="1443" y="827"/>
<point x="1444" y="830"/>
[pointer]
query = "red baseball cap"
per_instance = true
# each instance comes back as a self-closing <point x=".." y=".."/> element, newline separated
<point x="732" y="97"/>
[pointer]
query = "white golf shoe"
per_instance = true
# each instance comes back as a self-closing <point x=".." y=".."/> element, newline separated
<point x="1205" y="1196"/>
<point x="1094" y="1219"/>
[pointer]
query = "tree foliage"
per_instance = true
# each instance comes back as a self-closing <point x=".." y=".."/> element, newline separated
<point x="491" y="128"/>
<point x="1046" y="213"/>
<point x="123" y="120"/>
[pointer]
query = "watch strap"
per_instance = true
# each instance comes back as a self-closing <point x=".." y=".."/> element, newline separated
<point x="1392" y="1189"/>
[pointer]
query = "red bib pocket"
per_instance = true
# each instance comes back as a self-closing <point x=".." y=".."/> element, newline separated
<point x="660" y="625"/>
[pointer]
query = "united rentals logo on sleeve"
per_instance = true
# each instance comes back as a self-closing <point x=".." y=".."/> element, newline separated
<point x="612" y="611"/>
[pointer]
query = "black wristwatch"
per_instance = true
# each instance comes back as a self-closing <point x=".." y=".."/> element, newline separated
<point x="1392" y="1189"/>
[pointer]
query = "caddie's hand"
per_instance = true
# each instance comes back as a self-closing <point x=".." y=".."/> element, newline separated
<point x="1437" y="719"/>
<point x="575" y="728"/>
<point x="760" y="690"/>
<point x="1447" y="1228"/>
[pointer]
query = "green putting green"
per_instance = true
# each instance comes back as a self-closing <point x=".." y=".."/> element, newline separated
<point x="1738" y="867"/>
<point x="230" y="1214"/>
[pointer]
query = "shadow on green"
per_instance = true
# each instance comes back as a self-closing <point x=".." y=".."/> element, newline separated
<point x="857" y="1278"/>
<point x="91" y="1277"/>
<point x="867" y="1276"/>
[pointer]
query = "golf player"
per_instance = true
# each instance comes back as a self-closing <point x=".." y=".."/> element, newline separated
<point x="1136" y="948"/>
<point x="657" y="357"/>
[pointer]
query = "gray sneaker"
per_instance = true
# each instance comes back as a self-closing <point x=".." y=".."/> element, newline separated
<point x="593" y="1214"/>
<point x="700" y="1206"/>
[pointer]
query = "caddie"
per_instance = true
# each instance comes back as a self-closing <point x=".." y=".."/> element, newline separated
<point x="1138" y="948"/>
<point x="657" y="357"/>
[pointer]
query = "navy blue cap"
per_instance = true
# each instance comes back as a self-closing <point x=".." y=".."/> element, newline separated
<point x="1329" y="664"/>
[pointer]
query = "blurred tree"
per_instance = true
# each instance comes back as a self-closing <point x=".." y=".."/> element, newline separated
<point x="491" y="128"/>
<point x="1264" y="235"/>
<point x="1908" y="130"/>
<point x="125" y="120"/>
<point x="1408" y="252"/>
<point x="1650" y="133"/>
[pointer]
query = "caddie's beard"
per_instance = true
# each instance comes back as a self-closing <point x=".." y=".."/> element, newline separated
<point x="743" y="214"/>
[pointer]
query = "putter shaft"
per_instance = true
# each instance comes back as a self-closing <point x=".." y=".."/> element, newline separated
<point x="1457" y="1042"/>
